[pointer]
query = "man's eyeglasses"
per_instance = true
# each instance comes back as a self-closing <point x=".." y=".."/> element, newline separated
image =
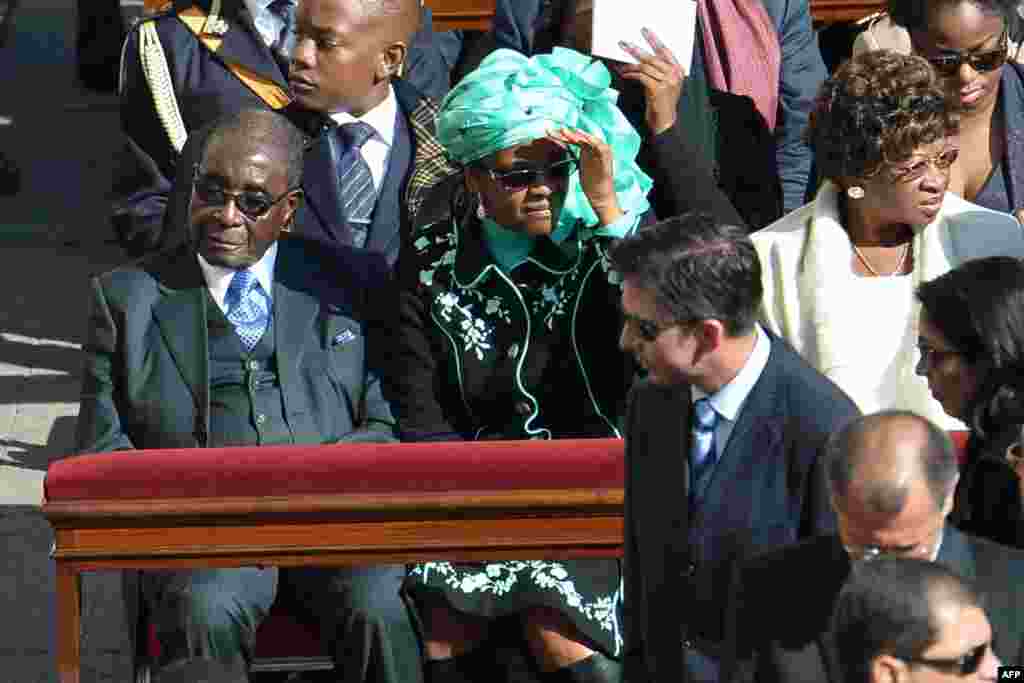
<point x="867" y="553"/>
<point x="941" y="161"/>
<point x="931" y="356"/>
<point x="964" y="665"/>
<point x="253" y="205"/>
<point x="949" y="64"/>
<point x="520" y="179"/>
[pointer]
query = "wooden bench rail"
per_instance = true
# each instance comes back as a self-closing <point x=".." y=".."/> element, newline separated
<point x="579" y="516"/>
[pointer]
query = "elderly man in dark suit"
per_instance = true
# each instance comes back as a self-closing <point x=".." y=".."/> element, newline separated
<point x="891" y="477"/>
<point x="240" y="338"/>
<point x="722" y="440"/>
<point x="197" y="60"/>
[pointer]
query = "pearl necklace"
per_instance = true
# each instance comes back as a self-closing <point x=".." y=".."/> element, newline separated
<point x="899" y="266"/>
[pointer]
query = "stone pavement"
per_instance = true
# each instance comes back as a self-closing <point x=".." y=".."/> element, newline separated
<point x="52" y="235"/>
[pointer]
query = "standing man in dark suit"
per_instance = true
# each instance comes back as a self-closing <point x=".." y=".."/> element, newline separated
<point x="239" y="338"/>
<point x="375" y="154"/>
<point x="891" y="477"/>
<point x="722" y="440"/>
<point x="197" y="60"/>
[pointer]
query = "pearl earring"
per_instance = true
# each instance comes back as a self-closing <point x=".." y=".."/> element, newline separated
<point x="855" y="192"/>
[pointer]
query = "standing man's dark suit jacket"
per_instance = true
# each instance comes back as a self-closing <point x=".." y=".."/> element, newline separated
<point x="766" y="491"/>
<point x="146" y="378"/>
<point x="779" y="618"/>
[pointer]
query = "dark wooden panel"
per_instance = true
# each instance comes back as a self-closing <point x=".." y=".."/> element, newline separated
<point x="476" y="14"/>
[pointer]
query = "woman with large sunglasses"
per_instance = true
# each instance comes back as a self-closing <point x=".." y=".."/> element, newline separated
<point x="508" y="329"/>
<point x="839" y="273"/>
<point x="967" y="43"/>
<point x="971" y="339"/>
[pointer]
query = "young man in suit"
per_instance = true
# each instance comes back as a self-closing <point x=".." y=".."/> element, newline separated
<point x="891" y="478"/>
<point x="722" y="440"/>
<point x="220" y="56"/>
<point x="375" y="155"/>
<point x="241" y="338"/>
<point x="912" y="621"/>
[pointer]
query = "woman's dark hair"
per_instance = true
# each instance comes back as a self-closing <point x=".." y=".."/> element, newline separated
<point x="888" y="606"/>
<point x="914" y="15"/>
<point x="878" y="108"/>
<point x="979" y="308"/>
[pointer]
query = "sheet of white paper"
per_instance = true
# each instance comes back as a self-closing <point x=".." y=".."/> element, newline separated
<point x="673" y="21"/>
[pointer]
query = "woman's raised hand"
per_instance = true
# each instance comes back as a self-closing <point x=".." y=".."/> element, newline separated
<point x="661" y="76"/>
<point x="596" y="171"/>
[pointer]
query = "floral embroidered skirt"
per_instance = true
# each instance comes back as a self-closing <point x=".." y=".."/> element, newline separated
<point x="588" y="592"/>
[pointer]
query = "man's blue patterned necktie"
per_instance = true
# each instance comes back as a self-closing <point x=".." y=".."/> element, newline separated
<point x="703" y="453"/>
<point x="248" y="307"/>
<point x="358" y="195"/>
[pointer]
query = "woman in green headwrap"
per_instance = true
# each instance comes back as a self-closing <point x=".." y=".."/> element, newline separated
<point x="508" y="329"/>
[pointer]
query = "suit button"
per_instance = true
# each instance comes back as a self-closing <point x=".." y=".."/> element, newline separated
<point x="254" y="365"/>
<point x="523" y="408"/>
<point x="691" y="569"/>
<point x="513" y="351"/>
<point x="687" y="644"/>
<point x="261" y="418"/>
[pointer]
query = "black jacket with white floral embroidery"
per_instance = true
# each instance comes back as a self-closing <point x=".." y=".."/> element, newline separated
<point x="480" y="354"/>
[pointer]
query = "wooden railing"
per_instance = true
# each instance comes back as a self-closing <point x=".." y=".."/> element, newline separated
<point x="476" y="14"/>
<point x="390" y="503"/>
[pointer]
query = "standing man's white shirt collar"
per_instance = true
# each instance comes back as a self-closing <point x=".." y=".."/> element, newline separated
<point x="376" y="150"/>
<point x="728" y="401"/>
<point x="218" y="277"/>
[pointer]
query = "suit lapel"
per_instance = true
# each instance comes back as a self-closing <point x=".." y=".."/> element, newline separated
<point x="181" y="316"/>
<point x="756" y="432"/>
<point x="672" y="446"/>
<point x="955" y="553"/>
<point x="242" y="44"/>
<point x="323" y="195"/>
<point x="1011" y="91"/>
<point x="294" y="313"/>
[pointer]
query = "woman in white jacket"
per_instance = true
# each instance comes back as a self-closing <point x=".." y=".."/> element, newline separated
<point x="840" y="272"/>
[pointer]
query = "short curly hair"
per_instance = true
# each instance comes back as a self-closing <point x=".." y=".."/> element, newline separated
<point x="913" y="15"/>
<point x="877" y="109"/>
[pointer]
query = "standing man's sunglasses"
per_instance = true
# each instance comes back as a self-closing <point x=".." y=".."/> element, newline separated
<point x="964" y="665"/>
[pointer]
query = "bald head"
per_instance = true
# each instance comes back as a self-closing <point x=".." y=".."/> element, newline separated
<point x="878" y="460"/>
<point x="262" y="129"/>
<point x="399" y="18"/>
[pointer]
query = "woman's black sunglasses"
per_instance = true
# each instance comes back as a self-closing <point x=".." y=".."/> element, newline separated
<point x="982" y="62"/>
<point x="520" y="179"/>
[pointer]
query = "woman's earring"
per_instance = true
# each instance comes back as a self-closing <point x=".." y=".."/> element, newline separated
<point x="481" y="212"/>
<point x="855" y="192"/>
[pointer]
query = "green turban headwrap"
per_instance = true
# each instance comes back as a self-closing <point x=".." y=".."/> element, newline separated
<point x="511" y="99"/>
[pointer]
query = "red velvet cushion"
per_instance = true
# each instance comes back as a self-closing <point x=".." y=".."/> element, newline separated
<point x="347" y="468"/>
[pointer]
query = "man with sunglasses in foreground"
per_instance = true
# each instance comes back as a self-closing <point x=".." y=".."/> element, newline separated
<point x="241" y="338"/>
<point x="912" y="621"/>
<point x="891" y="478"/>
<point x="722" y="440"/>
